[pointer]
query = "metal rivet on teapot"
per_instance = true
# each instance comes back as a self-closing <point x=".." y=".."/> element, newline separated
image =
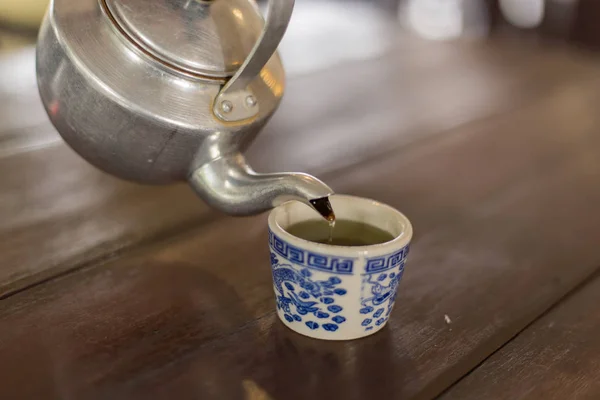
<point x="171" y="90"/>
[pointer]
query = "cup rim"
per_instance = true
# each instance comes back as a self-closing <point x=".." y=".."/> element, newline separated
<point x="399" y="241"/>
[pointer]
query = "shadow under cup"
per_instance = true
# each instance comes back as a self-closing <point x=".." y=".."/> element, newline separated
<point x="337" y="292"/>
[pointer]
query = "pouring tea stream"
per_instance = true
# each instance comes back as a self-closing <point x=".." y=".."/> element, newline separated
<point x="176" y="91"/>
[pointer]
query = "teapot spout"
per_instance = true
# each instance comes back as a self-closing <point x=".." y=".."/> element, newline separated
<point x="229" y="184"/>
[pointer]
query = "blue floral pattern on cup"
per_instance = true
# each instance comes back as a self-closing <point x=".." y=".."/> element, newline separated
<point x="316" y="304"/>
<point x="305" y="300"/>
<point x="380" y="288"/>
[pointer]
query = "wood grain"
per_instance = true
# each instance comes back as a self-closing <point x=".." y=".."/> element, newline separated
<point x="417" y="90"/>
<point x="501" y="209"/>
<point x="558" y="357"/>
<point x="59" y="213"/>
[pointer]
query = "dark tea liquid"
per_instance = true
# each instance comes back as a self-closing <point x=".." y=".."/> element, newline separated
<point x="323" y="206"/>
<point x="343" y="233"/>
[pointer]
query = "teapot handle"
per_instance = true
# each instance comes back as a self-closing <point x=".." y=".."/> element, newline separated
<point x="231" y="104"/>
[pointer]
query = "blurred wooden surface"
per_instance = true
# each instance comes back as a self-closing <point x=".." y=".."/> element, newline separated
<point x="114" y="290"/>
<point x="50" y="188"/>
<point x="554" y="358"/>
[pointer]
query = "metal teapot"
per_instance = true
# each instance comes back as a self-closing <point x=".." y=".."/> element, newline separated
<point x="169" y="90"/>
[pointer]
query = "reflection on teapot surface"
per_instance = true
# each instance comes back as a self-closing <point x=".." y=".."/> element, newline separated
<point x="171" y="92"/>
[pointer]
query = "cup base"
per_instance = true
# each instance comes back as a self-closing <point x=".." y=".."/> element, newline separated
<point x="341" y="335"/>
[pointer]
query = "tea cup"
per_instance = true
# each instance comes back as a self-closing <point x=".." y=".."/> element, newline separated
<point x="333" y="292"/>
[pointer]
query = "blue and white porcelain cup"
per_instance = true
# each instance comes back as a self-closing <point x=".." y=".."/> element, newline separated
<point x="337" y="292"/>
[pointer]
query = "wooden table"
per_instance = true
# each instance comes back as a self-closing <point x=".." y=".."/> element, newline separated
<point x="111" y="290"/>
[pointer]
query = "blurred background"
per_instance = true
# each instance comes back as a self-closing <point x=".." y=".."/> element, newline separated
<point x="347" y="29"/>
<point x="332" y="35"/>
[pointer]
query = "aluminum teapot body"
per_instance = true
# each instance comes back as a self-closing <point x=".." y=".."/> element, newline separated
<point x="177" y="93"/>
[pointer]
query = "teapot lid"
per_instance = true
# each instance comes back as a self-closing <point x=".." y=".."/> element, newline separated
<point x="211" y="38"/>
